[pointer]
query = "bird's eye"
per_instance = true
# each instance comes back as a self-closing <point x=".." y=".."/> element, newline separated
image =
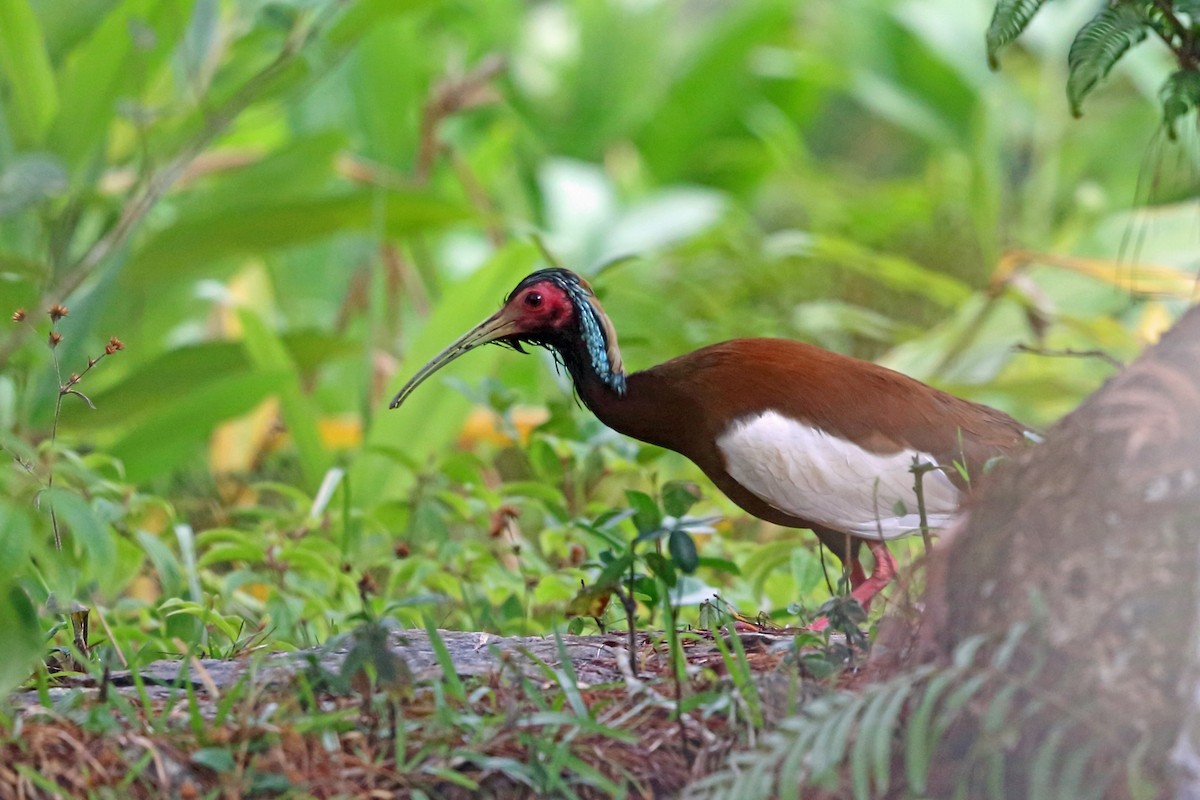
<point x="533" y="299"/>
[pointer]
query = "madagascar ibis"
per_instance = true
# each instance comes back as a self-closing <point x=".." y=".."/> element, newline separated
<point x="795" y="435"/>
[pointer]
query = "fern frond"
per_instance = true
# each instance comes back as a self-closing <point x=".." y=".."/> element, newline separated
<point x="852" y="744"/>
<point x="813" y="749"/>
<point x="1008" y="21"/>
<point x="1179" y="95"/>
<point x="1099" y="45"/>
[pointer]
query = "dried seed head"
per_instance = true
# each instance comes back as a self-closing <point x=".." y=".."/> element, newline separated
<point x="402" y="550"/>
<point x="55" y="338"/>
<point x="502" y="518"/>
<point x="576" y="554"/>
<point x="19" y="315"/>
<point x="114" y="344"/>
<point x="57" y="312"/>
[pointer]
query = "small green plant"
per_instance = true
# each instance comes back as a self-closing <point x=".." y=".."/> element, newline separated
<point x="656" y="563"/>
<point x="55" y="576"/>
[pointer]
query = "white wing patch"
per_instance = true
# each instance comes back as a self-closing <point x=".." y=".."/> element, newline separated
<point x="814" y="475"/>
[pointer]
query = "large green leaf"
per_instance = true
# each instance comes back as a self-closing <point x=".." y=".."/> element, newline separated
<point x="431" y="418"/>
<point x="193" y="243"/>
<point x="25" y="65"/>
<point x="365" y="15"/>
<point x="16" y="540"/>
<point x="172" y="437"/>
<point x="29" y="179"/>
<point x="157" y="385"/>
<point x="613" y="82"/>
<point x="707" y="95"/>
<point x="129" y="46"/>
<point x="388" y="78"/>
<point x="84" y="531"/>
<point x="300" y="169"/>
<point x="20" y="632"/>
<point x="1099" y="45"/>
<point x="895" y="272"/>
<point x="268" y="353"/>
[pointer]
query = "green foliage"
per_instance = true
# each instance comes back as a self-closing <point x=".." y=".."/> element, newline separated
<point x="888" y="737"/>
<point x="1099" y="45"/>
<point x="1105" y="38"/>
<point x="284" y="208"/>
<point x="1009" y="20"/>
<point x="1179" y="95"/>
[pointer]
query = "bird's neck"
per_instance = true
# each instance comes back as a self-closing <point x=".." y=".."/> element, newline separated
<point x="640" y="411"/>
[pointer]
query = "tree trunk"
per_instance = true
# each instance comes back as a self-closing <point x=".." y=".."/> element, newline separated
<point x="1094" y="537"/>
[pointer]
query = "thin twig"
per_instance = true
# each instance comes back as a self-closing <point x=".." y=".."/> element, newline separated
<point x="54" y="436"/>
<point x="630" y="606"/>
<point x="919" y="468"/>
<point x="1069" y="353"/>
<point x="447" y="99"/>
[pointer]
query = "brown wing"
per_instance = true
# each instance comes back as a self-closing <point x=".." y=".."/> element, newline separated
<point x="686" y="403"/>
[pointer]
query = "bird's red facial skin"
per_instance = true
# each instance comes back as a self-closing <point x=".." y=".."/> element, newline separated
<point x="542" y="308"/>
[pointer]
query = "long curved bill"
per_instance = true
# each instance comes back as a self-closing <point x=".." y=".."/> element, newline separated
<point x="494" y="327"/>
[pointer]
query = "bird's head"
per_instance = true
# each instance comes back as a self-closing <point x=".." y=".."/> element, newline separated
<point x="552" y="308"/>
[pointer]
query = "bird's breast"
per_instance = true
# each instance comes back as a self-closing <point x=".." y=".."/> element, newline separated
<point x="815" y="475"/>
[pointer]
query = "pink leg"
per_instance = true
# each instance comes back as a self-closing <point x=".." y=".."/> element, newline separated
<point x="866" y="588"/>
<point x="857" y="575"/>
<point x="881" y="576"/>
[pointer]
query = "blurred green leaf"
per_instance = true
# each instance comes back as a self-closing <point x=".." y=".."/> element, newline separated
<point x="889" y="270"/>
<point x="84" y="530"/>
<point x="268" y="354"/>
<point x="133" y="40"/>
<point x="679" y="496"/>
<point x="195" y="242"/>
<point x="682" y="548"/>
<point x="710" y="87"/>
<point x="160" y="384"/>
<point x="173" y="435"/>
<point x="658" y="221"/>
<point x="365" y="15"/>
<point x="388" y="79"/>
<point x="29" y="179"/>
<point x="196" y="52"/>
<point x="647" y="517"/>
<point x="22" y="266"/>
<point x="230" y="552"/>
<point x="217" y="759"/>
<point x="166" y="565"/>
<point x="21" y="633"/>
<point x="16" y="540"/>
<point x="26" y="66"/>
<point x="298" y="170"/>
<point x="546" y="463"/>
<point x="661" y="567"/>
<point x="430" y="419"/>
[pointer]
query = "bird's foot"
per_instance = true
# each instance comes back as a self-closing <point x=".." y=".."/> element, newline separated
<point x="865" y="588"/>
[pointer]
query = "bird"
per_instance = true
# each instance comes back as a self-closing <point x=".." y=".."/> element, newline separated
<point x="793" y="434"/>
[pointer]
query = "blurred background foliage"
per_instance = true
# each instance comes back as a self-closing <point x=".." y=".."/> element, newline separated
<point x="283" y="208"/>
